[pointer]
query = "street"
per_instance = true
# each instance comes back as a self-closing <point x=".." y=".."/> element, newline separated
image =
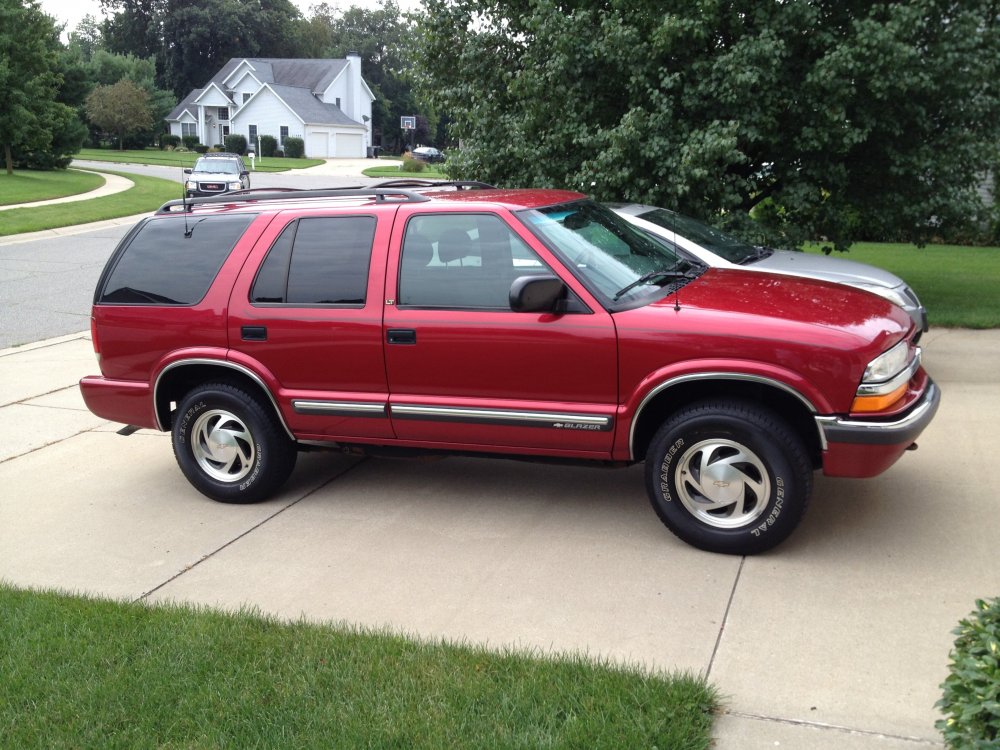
<point x="47" y="284"/>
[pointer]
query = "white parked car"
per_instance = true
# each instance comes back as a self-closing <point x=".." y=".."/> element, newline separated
<point x="720" y="250"/>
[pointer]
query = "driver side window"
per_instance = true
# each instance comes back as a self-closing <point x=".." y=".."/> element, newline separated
<point x="462" y="261"/>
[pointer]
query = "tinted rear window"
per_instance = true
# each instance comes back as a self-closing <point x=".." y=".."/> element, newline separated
<point x="318" y="261"/>
<point x="160" y="266"/>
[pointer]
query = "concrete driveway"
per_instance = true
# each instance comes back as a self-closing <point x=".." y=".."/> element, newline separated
<point x="838" y="639"/>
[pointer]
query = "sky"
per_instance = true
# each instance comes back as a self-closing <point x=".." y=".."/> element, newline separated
<point x="71" y="12"/>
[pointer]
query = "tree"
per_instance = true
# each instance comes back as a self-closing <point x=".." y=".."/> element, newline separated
<point x="30" y="78"/>
<point x="133" y="26"/>
<point x="120" y="108"/>
<point x="191" y="39"/>
<point x="825" y="118"/>
<point x="107" y="68"/>
<point x="86" y="38"/>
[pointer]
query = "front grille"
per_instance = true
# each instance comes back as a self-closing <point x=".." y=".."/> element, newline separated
<point x="211" y="187"/>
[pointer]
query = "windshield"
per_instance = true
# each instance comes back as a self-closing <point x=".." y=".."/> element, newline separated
<point x="732" y="249"/>
<point x="217" y="166"/>
<point x="613" y="258"/>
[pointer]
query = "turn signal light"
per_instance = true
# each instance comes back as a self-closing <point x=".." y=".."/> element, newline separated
<point x="878" y="403"/>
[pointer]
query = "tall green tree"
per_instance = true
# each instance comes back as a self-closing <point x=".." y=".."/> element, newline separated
<point x="29" y="80"/>
<point x="107" y="68"/>
<point x="192" y="39"/>
<point x="86" y="38"/>
<point x="120" y="108"/>
<point x="133" y="26"/>
<point x="826" y="118"/>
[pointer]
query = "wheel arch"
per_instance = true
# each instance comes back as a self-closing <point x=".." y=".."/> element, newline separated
<point x="674" y="394"/>
<point x="178" y="378"/>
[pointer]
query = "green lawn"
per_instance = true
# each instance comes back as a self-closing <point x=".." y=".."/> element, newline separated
<point x="394" y="172"/>
<point x="960" y="286"/>
<point x="26" y="186"/>
<point x="92" y="673"/>
<point x="159" y="158"/>
<point x="148" y="194"/>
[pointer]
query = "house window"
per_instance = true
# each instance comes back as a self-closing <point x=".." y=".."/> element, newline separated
<point x="225" y="130"/>
<point x="188" y="128"/>
<point x="284" y="135"/>
<point x="338" y="102"/>
<point x="246" y="98"/>
<point x="223" y="113"/>
<point x="253" y="136"/>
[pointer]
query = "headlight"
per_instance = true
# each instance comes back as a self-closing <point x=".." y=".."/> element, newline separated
<point x="888" y="364"/>
<point x="235" y="185"/>
<point x="895" y="296"/>
<point x="190" y="185"/>
<point x="886" y="378"/>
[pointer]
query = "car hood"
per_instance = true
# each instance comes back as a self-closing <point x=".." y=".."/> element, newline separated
<point x="826" y="268"/>
<point x="774" y="305"/>
<point x="217" y="176"/>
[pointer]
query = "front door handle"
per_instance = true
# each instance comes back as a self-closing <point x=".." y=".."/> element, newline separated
<point x="401" y="336"/>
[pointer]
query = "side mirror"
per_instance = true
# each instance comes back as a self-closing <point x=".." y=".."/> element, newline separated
<point x="187" y="170"/>
<point x="538" y="294"/>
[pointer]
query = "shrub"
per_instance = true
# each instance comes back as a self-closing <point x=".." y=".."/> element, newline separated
<point x="412" y="165"/>
<point x="280" y="154"/>
<point x="971" y="701"/>
<point x="295" y="148"/>
<point x="268" y="145"/>
<point x="236" y="143"/>
<point x="201" y="149"/>
<point x="169" y="141"/>
<point x="190" y="141"/>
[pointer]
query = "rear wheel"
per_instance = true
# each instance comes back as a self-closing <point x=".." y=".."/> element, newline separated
<point x="728" y="476"/>
<point x="230" y="446"/>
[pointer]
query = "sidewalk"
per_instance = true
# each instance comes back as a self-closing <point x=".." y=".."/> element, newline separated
<point x="838" y="639"/>
<point x="112" y="184"/>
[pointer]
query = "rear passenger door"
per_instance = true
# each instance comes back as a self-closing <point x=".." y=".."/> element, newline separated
<point x="465" y="370"/>
<point x="307" y="311"/>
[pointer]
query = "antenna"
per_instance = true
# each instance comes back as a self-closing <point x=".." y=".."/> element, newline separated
<point x="184" y="192"/>
<point x="678" y="285"/>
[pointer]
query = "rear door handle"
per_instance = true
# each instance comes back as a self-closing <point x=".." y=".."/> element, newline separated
<point x="401" y="336"/>
<point x="253" y="333"/>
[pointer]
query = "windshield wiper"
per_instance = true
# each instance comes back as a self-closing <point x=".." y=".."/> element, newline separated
<point x="646" y="278"/>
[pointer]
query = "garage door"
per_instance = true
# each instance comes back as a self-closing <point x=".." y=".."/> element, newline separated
<point x="318" y="146"/>
<point x="348" y="145"/>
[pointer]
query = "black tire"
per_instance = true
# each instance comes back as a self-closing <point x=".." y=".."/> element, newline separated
<point x="230" y="446"/>
<point x="759" y="471"/>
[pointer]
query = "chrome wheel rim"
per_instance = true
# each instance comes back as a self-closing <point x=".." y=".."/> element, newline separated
<point x="722" y="483"/>
<point x="222" y="445"/>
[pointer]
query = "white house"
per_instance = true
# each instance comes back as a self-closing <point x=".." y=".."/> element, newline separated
<point x="326" y="103"/>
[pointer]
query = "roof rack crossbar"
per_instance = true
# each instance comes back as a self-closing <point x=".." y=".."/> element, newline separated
<point x="381" y="195"/>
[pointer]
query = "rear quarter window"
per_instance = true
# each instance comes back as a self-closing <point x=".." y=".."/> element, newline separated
<point x="318" y="261"/>
<point x="159" y="265"/>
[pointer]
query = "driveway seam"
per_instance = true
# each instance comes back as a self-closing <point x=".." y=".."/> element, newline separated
<point x="245" y="533"/>
<point x="725" y="617"/>
<point x="835" y="727"/>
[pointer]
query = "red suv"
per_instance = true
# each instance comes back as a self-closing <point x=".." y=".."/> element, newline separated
<point x="516" y="323"/>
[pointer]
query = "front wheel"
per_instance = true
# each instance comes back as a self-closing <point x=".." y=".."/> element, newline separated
<point x="230" y="446"/>
<point x="728" y="476"/>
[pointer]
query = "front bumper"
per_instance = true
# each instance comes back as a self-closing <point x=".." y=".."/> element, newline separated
<point x="858" y="448"/>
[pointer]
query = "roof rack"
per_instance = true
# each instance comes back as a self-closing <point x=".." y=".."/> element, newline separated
<point x="418" y="183"/>
<point x="381" y="195"/>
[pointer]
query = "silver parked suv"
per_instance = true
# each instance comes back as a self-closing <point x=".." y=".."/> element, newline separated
<point x="214" y="174"/>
